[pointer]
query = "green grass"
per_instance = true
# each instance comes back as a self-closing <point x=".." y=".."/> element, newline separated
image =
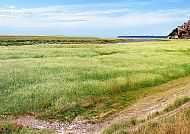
<point x="65" y="81"/>
<point x="175" y="124"/>
<point x="33" y="40"/>
<point x="161" y="126"/>
<point x="177" y="104"/>
<point x="178" y="123"/>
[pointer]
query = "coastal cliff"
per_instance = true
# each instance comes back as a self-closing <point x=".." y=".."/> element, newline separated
<point x="181" y="32"/>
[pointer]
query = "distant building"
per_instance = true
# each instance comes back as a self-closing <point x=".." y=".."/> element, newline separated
<point x="181" y="32"/>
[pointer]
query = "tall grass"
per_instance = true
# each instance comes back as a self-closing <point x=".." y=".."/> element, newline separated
<point x="173" y="123"/>
<point x="176" y="124"/>
<point x="32" y="40"/>
<point x="65" y="81"/>
<point x="177" y="104"/>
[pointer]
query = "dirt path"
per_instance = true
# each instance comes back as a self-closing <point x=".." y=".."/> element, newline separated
<point x="158" y="118"/>
<point x="140" y="110"/>
<point x="147" y="106"/>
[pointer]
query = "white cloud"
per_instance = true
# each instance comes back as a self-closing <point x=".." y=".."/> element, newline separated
<point x="90" y="16"/>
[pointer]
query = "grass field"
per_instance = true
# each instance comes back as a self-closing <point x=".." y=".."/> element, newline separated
<point x="66" y="81"/>
<point x="33" y="40"/>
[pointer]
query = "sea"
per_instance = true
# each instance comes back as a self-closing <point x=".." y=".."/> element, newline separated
<point x="144" y="37"/>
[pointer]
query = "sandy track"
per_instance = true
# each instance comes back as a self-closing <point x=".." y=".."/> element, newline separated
<point x="140" y="110"/>
<point x="158" y="118"/>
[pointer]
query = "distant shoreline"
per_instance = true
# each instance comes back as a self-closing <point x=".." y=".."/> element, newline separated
<point x="33" y="40"/>
<point x="144" y="37"/>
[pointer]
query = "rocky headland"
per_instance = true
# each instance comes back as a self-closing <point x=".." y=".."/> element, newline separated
<point x="181" y="32"/>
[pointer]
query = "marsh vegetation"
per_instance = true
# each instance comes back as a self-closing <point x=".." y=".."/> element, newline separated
<point x="95" y="81"/>
<point x="65" y="81"/>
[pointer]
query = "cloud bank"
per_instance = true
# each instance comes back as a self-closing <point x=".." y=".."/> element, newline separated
<point x="88" y="17"/>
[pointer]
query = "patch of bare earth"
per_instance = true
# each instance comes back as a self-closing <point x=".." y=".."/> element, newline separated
<point x="140" y="110"/>
<point x="76" y="127"/>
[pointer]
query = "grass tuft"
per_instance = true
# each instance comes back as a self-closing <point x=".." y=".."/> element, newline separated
<point x="177" y="104"/>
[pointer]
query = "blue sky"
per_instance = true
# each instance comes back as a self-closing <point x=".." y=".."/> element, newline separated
<point x="101" y="18"/>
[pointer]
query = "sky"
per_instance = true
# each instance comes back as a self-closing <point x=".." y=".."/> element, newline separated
<point x="93" y="18"/>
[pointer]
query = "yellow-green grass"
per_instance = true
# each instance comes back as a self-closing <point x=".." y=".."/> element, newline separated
<point x="160" y="125"/>
<point x="32" y="40"/>
<point x="65" y="81"/>
<point x="176" y="124"/>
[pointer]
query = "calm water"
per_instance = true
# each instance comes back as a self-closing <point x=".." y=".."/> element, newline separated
<point x="145" y="37"/>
